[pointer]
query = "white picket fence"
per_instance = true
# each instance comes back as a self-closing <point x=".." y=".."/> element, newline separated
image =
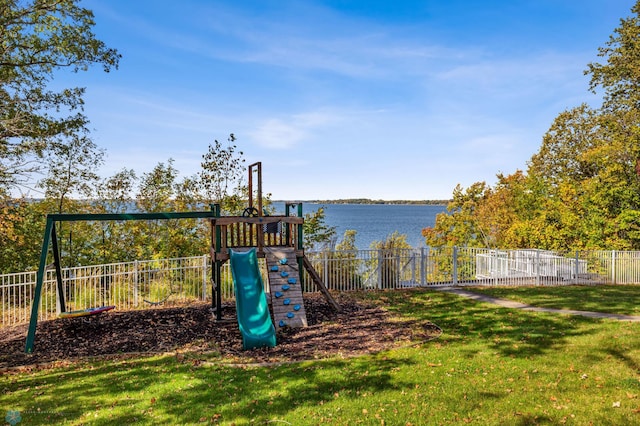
<point x="149" y="283"/>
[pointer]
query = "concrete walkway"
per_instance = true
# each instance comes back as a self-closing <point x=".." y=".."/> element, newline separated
<point x="516" y="305"/>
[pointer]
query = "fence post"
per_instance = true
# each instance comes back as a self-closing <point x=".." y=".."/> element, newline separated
<point x="613" y="266"/>
<point x="455" y="265"/>
<point x="379" y="269"/>
<point x="398" y="268"/>
<point x="498" y="268"/>
<point x="325" y="267"/>
<point x="58" y="307"/>
<point x="577" y="266"/>
<point x="135" y="283"/>
<point x="537" y="266"/>
<point x="204" y="277"/>
<point x="413" y="266"/>
<point x="423" y="266"/>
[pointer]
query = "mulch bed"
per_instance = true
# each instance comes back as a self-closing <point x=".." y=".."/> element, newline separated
<point x="360" y="328"/>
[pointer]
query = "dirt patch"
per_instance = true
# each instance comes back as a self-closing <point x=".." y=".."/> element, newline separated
<point x="359" y="329"/>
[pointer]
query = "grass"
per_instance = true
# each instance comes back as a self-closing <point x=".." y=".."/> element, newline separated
<point x="491" y="366"/>
<point x="616" y="299"/>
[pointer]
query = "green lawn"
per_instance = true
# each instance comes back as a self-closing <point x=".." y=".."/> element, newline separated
<point x="490" y="366"/>
<point x="616" y="299"/>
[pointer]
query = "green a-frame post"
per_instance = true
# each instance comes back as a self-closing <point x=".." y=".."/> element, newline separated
<point x="51" y="238"/>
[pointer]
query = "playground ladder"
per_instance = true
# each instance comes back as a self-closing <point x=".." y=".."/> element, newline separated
<point x="285" y="289"/>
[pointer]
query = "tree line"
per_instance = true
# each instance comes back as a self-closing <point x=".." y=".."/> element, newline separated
<point x="581" y="189"/>
<point x="46" y="147"/>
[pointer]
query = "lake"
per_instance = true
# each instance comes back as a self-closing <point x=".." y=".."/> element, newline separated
<point x="374" y="222"/>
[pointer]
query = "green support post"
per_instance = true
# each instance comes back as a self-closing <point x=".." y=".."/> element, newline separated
<point x="31" y="334"/>
<point x="287" y="234"/>
<point x="216" y="272"/>
<point x="300" y="246"/>
<point x="49" y="234"/>
<point x="300" y="232"/>
<point x="56" y="263"/>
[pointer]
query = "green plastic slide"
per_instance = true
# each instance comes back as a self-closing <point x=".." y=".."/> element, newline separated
<point x="252" y="308"/>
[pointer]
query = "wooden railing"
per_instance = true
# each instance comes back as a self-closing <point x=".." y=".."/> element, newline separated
<point x="260" y="232"/>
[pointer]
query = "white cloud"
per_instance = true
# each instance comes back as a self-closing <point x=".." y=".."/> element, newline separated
<point x="276" y="133"/>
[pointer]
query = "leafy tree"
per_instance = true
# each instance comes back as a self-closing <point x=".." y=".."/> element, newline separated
<point x="156" y="190"/>
<point x="388" y="261"/>
<point x="72" y="165"/>
<point x="460" y="225"/>
<point x="582" y="188"/>
<point x="115" y="192"/>
<point x="187" y="197"/>
<point x="615" y="191"/>
<point x="317" y="235"/>
<point x="221" y="174"/>
<point x="21" y="228"/>
<point x="348" y="242"/>
<point x="619" y="76"/>
<point x="344" y="272"/>
<point x="155" y="194"/>
<point x="39" y="38"/>
<point x="563" y="154"/>
<point x="115" y="196"/>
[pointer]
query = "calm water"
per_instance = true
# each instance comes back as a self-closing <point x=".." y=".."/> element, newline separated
<point x="374" y="222"/>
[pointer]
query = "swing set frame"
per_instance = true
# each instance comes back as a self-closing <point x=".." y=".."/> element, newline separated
<point x="50" y="239"/>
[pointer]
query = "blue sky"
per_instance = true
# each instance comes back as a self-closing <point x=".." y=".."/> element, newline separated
<point x="342" y="99"/>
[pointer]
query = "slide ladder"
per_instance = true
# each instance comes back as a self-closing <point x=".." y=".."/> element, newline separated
<point x="286" y="291"/>
<point x="254" y="319"/>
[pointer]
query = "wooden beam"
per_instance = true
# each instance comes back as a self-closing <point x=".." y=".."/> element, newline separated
<point x="318" y="281"/>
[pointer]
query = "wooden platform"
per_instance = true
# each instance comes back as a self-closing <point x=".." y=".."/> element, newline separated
<point x="284" y="283"/>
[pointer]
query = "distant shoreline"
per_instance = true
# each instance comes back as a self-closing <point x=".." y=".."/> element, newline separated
<point x="368" y="201"/>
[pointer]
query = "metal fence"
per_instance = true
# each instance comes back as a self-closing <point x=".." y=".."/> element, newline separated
<point x="148" y="283"/>
<point x="130" y="285"/>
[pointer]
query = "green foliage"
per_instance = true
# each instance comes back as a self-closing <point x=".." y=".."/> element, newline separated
<point x="344" y="269"/>
<point x="74" y="162"/>
<point x="565" y="147"/>
<point x="460" y="226"/>
<point x="387" y="262"/>
<point x="72" y="166"/>
<point x="582" y="187"/>
<point x="221" y="174"/>
<point x="316" y="232"/>
<point x="620" y="75"/>
<point x="21" y="227"/>
<point x="156" y="190"/>
<point x="348" y="242"/>
<point x="114" y="192"/>
<point x="38" y="39"/>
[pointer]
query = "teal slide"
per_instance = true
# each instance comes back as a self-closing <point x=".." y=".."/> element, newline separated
<point x="252" y="308"/>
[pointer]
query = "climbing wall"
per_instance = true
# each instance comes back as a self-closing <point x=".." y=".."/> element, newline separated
<point x="285" y="289"/>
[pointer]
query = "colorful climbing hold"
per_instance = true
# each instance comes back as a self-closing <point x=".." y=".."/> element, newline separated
<point x="290" y="315"/>
<point x="282" y="323"/>
<point x="296" y="308"/>
<point x="292" y="281"/>
<point x="286" y="301"/>
<point x="284" y="274"/>
<point x="278" y="294"/>
<point x="285" y="287"/>
<point x="283" y="261"/>
<point x="274" y="268"/>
